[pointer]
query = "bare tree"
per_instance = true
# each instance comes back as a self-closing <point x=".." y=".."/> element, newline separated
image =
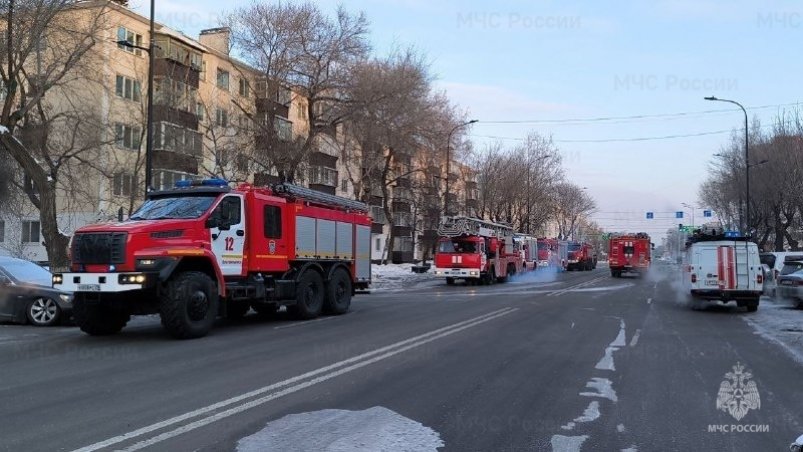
<point x="297" y="45"/>
<point x="573" y="205"/>
<point x="46" y="51"/>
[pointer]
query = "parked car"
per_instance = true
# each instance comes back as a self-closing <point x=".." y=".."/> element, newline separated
<point x="27" y="295"/>
<point x="790" y="282"/>
<point x="775" y="261"/>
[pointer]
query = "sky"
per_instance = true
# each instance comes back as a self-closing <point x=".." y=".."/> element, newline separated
<point x="558" y="66"/>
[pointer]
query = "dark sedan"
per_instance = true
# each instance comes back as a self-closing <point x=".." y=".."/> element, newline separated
<point x="27" y="295"/>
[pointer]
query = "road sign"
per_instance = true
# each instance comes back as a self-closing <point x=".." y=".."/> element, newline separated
<point x="707" y="213"/>
<point x="678" y="214"/>
<point x="650" y="215"/>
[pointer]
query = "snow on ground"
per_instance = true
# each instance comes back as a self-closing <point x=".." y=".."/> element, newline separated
<point x="778" y="321"/>
<point x="394" y="277"/>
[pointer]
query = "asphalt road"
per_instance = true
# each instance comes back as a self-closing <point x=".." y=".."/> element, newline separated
<point x="584" y="362"/>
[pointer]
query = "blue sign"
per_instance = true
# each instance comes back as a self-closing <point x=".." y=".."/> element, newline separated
<point x="732" y="234"/>
<point x="707" y="213"/>
<point x="678" y="214"/>
<point x="650" y="215"/>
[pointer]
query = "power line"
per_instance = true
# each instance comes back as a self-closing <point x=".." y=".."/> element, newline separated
<point x="631" y="117"/>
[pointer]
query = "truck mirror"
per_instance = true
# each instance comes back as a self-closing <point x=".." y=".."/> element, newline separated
<point x="212" y="222"/>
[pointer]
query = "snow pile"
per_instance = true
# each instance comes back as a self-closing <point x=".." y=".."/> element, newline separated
<point x="397" y="277"/>
<point x="779" y="322"/>
<point x="376" y="428"/>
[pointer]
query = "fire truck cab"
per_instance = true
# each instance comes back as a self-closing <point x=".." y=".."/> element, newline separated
<point x="476" y="251"/>
<point x="204" y="249"/>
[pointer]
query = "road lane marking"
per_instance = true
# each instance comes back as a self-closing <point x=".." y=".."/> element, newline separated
<point x="320" y="375"/>
<point x="576" y="286"/>
<point x="634" y="340"/>
<point x="306" y="322"/>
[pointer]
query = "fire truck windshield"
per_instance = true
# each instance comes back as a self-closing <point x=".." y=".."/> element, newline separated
<point x="543" y="246"/>
<point x="174" y="207"/>
<point x="457" y="247"/>
<point x="574" y="246"/>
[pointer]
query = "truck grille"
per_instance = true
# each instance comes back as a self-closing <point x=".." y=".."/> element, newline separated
<point x="99" y="248"/>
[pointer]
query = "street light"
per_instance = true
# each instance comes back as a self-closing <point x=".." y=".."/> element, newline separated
<point x="746" y="215"/>
<point x="692" y="212"/>
<point x="449" y="161"/>
<point x="149" y="125"/>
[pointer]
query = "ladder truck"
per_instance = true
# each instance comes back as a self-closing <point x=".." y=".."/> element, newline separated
<point x="475" y="250"/>
<point x="203" y="250"/>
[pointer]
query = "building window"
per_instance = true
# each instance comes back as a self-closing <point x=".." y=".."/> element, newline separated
<point x="241" y="163"/>
<point x="202" y="75"/>
<point x="221" y="117"/>
<point x="30" y="232"/>
<point x="199" y="111"/>
<point x="2" y="231"/>
<point x="164" y="179"/>
<point x="283" y="128"/>
<point x="378" y="244"/>
<point x="322" y="175"/>
<point x="222" y="79"/>
<point x="128" y="88"/>
<point x="127" y="137"/>
<point x="344" y="185"/>
<point x="134" y="39"/>
<point x="122" y="184"/>
<point x="245" y="88"/>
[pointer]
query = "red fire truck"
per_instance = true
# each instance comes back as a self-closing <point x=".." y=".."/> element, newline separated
<point x="629" y="253"/>
<point x="581" y="257"/>
<point x="475" y="250"/>
<point x="204" y="249"/>
<point x="529" y="250"/>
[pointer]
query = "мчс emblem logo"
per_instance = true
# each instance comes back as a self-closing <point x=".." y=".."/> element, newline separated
<point x="738" y="394"/>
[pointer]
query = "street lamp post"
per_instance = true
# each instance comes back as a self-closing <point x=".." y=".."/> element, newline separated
<point x="149" y="125"/>
<point x="449" y="161"/>
<point x="746" y="214"/>
<point x="692" y="212"/>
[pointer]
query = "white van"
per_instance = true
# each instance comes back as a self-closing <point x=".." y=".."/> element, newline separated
<point x="724" y="268"/>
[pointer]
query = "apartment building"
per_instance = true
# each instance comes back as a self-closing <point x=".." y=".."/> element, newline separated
<point x="212" y="115"/>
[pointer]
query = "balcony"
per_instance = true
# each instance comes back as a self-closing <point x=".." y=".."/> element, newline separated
<point x="271" y="108"/>
<point x="403" y="219"/>
<point x="323" y="179"/>
<point x="174" y="161"/>
<point x="402" y="194"/>
<point x="170" y="137"/>
<point x="166" y="113"/>
<point x="378" y="215"/>
<point x="169" y="68"/>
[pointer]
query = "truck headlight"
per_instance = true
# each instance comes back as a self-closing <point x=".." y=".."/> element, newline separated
<point x="131" y="279"/>
<point x="473" y="273"/>
<point x="58" y="279"/>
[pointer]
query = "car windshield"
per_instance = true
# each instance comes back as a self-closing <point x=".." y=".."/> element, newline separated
<point x="27" y="272"/>
<point x="767" y="259"/>
<point x="574" y="246"/>
<point x="791" y="267"/>
<point x="174" y="207"/>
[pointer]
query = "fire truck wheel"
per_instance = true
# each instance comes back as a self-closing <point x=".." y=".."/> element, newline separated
<point x="752" y="306"/>
<point x="188" y="306"/>
<point x="449" y="281"/>
<point x="236" y="309"/>
<point x="97" y="319"/>
<point x="309" y="296"/>
<point x="338" y="293"/>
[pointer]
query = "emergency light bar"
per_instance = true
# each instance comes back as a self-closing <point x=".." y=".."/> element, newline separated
<point x="214" y="182"/>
